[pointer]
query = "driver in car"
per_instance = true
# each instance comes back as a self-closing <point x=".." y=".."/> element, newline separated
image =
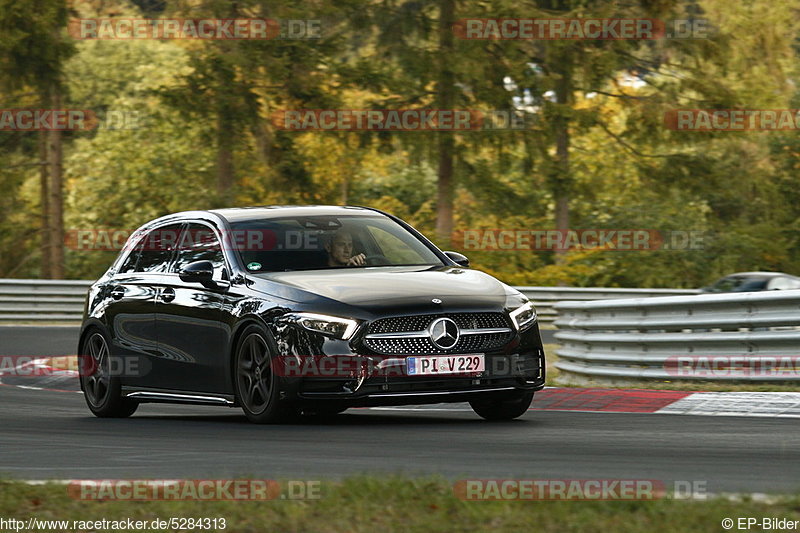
<point x="340" y="250"/>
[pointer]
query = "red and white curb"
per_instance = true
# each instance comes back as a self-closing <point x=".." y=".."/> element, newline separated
<point x="775" y="404"/>
<point x="42" y="375"/>
<point x="605" y="400"/>
<point x="763" y="404"/>
<point x="768" y="404"/>
<point x="587" y="400"/>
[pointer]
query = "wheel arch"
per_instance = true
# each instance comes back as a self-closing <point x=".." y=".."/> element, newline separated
<point x="89" y="325"/>
<point x="236" y="335"/>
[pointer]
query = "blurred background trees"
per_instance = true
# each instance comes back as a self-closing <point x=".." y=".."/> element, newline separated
<point x="595" y="153"/>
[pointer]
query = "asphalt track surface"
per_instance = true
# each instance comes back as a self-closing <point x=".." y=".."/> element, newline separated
<point x="46" y="434"/>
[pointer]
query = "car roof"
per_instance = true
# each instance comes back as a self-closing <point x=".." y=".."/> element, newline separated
<point x="235" y="214"/>
<point x="758" y="274"/>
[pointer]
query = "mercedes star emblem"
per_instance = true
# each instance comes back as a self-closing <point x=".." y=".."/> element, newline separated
<point x="444" y="333"/>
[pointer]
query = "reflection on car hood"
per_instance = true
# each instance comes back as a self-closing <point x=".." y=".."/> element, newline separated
<point x="394" y="286"/>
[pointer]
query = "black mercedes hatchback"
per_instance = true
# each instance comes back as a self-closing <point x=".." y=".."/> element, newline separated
<point x="289" y="311"/>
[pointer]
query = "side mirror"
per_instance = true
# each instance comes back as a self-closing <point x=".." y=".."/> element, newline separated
<point x="458" y="258"/>
<point x="199" y="272"/>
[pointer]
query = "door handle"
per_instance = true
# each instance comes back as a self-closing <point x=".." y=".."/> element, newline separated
<point x="167" y="295"/>
<point x="117" y="293"/>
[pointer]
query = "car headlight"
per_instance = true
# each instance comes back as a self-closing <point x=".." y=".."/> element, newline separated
<point x="524" y="315"/>
<point x="333" y="326"/>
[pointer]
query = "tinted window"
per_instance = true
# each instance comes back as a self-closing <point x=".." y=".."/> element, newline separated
<point x="130" y="262"/>
<point x="321" y="242"/>
<point x="751" y="284"/>
<point x="740" y="284"/>
<point x="199" y="243"/>
<point x="155" y="249"/>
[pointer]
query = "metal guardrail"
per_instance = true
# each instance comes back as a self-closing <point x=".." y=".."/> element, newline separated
<point x="743" y="336"/>
<point x="24" y="300"/>
<point x="544" y="298"/>
<point x="603" y="333"/>
<point x="35" y="300"/>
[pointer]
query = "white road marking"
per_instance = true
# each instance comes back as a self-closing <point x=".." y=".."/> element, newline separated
<point x="764" y="404"/>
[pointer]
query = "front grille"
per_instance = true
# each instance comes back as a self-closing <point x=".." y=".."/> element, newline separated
<point x="401" y="324"/>
<point x="421" y="344"/>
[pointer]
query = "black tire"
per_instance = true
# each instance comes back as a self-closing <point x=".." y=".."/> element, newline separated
<point x="102" y="390"/>
<point x="502" y="406"/>
<point x="256" y="386"/>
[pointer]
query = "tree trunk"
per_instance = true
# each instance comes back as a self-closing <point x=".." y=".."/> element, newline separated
<point x="446" y="143"/>
<point x="55" y="204"/>
<point x="44" y="176"/>
<point x="225" y="173"/>
<point x="226" y="125"/>
<point x="444" y="205"/>
<point x="562" y="180"/>
<point x="344" y="190"/>
<point x="562" y="191"/>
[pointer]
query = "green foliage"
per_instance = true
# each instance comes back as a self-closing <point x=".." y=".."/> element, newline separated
<point x="197" y="99"/>
<point x="416" y="505"/>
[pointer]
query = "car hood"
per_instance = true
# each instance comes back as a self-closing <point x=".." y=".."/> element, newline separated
<point x="372" y="288"/>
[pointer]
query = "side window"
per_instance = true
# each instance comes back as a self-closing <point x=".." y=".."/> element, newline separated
<point x="129" y="265"/>
<point x="724" y="285"/>
<point x="155" y="249"/>
<point x="199" y="243"/>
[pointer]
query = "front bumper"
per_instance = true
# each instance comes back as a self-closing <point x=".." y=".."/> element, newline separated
<point x="423" y="392"/>
<point x="520" y="366"/>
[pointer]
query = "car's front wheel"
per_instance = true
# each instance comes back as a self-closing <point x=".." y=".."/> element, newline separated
<point x="502" y="405"/>
<point x="257" y="386"/>
<point x="102" y="390"/>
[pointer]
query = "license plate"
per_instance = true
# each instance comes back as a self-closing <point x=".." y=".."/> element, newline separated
<point x="445" y="364"/>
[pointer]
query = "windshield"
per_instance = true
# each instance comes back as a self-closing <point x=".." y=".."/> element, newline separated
<point x="327" y="242"/>
<point x="739" y="284"/>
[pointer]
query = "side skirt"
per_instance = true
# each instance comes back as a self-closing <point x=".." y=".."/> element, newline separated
<point x="142" y="395"/>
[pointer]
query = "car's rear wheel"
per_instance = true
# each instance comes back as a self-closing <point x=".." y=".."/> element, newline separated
<point x="502" y="405"/>
<point x="102" y="390"/>
<point x="257" y="386"/>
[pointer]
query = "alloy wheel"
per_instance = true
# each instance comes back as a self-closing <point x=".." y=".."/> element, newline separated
<point x="254" y="373"/>
<point x="97" y="381"/>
